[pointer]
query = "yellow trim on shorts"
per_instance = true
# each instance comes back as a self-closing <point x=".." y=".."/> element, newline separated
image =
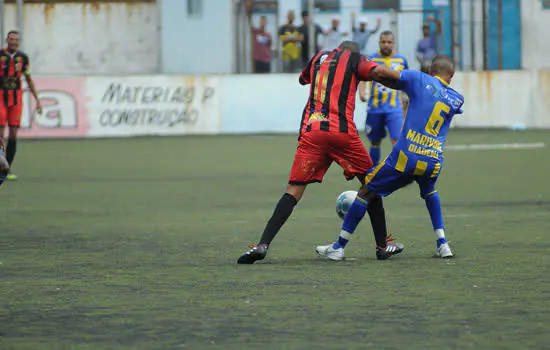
<point x="420" y="168"/>
<point x="370" y="175"/>
<point x="437" y="169"/>
<point x="401" y="162"/>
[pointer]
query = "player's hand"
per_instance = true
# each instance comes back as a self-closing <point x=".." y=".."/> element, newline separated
<point x="39" y="108"/>
<point x="363" y="97"/>
<point x="430" y="18"/>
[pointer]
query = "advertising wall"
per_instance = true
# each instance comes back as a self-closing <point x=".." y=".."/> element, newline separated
<point x="122" y="106"/>
<point x="78" y="107"/>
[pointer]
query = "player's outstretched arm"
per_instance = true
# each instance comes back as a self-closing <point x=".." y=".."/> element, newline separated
<point x="386" y="76"/>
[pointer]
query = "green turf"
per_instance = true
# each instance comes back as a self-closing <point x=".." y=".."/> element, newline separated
<point x="131" y="244"/>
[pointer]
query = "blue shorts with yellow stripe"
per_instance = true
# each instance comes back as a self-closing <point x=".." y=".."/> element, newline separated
<point x="385" y="178"/>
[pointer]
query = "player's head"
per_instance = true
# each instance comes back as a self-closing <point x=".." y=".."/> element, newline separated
<point x="386" y="43"/>
<point x="443" y="66"/>
<point x="362" y="24"/>
<point x="426" y="30"/>
<point x="12" y="40"/>
<point x="290" y="16"/>
<point x="335" y="22"/>
<point x="349" y="46"/>
<point x="305" y="17"/>
<point x="263" y="21"/>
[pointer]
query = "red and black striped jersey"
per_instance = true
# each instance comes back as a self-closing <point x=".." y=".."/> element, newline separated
<point x="334" y="77"/>
<point x="12" y="66"/>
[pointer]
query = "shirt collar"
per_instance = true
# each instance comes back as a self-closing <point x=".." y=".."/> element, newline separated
<point x="442" y="81"/>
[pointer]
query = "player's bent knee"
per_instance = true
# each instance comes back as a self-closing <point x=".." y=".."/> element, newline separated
<point x="296" y="191"/>
<point x="426" y="195"/>
<point x="13" y="133"/>
<point x="376" y="143"/>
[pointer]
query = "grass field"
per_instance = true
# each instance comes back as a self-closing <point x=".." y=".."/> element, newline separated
<point x="132" y="243"/>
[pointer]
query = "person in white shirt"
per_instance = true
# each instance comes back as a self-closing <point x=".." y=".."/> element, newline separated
<point x="334" y="36"/>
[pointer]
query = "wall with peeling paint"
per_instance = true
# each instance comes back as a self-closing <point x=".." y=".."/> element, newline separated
<point x="92" y="38"/>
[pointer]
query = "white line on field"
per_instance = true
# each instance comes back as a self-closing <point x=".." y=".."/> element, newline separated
<point x="459" y="216"/>
<point x="496" y="146"/>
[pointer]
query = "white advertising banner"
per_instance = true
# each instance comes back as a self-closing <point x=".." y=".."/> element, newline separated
<point x="146" y="105"/>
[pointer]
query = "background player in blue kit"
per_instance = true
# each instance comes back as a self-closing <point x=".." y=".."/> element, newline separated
<point x="417" y="155"/>
<point x="385" y="110"/>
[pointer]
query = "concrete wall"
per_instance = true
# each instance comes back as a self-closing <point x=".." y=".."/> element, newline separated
<point x="198" y="44"/>
<point x="71" y="38"/>
<point x="535" y="28"/>
<point x="126" y="38"/>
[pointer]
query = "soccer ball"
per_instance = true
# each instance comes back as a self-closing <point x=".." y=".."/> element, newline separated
<point x="343" y="202"/>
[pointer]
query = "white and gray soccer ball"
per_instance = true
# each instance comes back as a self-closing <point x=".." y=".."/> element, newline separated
<point x="343" y="202"/>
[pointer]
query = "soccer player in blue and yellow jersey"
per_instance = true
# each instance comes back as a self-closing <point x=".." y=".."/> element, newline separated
<point x="385" y="110"/>
<point x="417" y="155"/>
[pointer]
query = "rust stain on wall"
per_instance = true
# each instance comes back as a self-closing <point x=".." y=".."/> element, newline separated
<point x="95" y="7"/>
<point x="544" y="86"/>
<point x="49" y="10"/>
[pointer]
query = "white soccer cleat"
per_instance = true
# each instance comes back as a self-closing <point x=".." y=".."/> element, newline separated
<point x="328" y="252"/>
<point x="444" y="251"/>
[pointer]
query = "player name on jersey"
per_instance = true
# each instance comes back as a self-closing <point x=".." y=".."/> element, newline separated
<point x="424" y="140"/>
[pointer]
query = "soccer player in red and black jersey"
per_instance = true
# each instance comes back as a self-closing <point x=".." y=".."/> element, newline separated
<point x="327" y="134"/>
<point x="13" y="64"/>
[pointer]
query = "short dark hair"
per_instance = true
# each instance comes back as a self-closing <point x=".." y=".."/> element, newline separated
<point x="12" y="32"/>
<point x="349" y="45"/>
<point x="304" y="14"/>
<point x="387" y="32"/>
<point x="442" y="64"/>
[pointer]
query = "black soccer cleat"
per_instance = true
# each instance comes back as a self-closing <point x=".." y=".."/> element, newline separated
<point x="390" y="250"/>
<point x="256" y="252"/>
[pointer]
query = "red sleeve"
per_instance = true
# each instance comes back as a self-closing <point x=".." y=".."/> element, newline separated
<point x="305" y="77"/>
<point x="364" y="68"/>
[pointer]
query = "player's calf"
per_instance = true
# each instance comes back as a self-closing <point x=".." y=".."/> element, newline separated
<point x="374" y="151"/>
<point x="433" y="204"/>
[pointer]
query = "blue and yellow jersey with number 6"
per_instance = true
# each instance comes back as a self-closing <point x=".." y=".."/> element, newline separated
<point x="433" y="103"/>
<point x="383" y="99"/>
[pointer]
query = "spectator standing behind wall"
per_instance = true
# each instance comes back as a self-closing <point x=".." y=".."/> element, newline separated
<point x="304" y="30"/>
<point x="362" y="34"/>
<point x="426" y="49"/>
<point x="292" y="40"/>
<point x="334" y="36"/>
<point x="262" y="46"/>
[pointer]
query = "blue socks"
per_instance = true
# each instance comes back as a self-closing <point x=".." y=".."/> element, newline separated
<point x="433" y="203"/>
<point x="374" y="153"/>
<point x="354" y="215"/>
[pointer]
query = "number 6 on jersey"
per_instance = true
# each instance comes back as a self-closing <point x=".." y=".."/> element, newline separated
<point x="436" y="119"/>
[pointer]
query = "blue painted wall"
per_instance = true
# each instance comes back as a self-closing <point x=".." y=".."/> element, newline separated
<point x="511" y="35"/>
